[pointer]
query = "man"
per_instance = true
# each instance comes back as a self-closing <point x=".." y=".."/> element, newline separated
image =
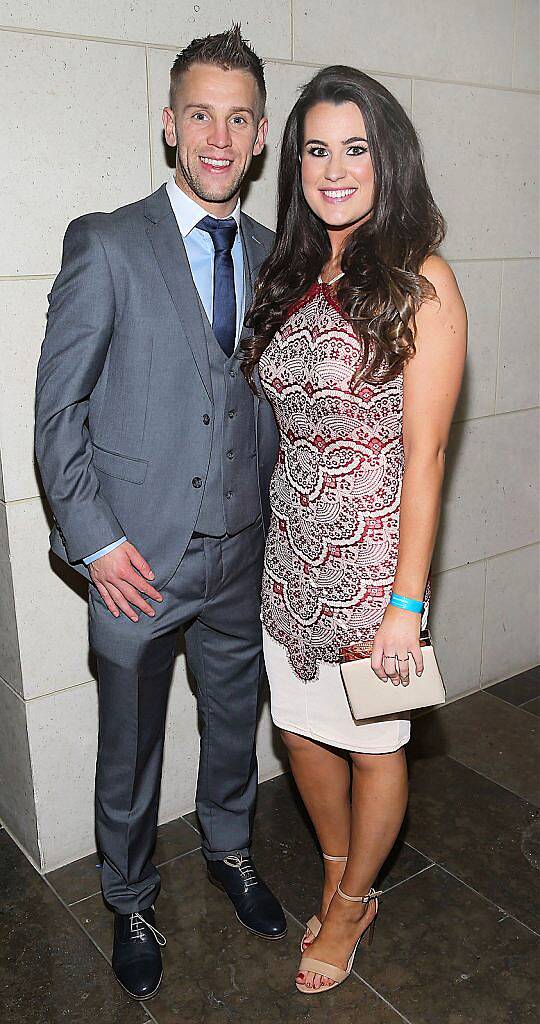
<point x="156" y="459"/>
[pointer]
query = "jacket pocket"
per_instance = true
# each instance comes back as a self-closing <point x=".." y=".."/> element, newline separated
<point x="120" y="466"/>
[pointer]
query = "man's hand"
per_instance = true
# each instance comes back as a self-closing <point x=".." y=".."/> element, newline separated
<point x="122" y="577"/>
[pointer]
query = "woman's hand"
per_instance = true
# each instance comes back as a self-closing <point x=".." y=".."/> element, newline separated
<point x="397" y="636"/>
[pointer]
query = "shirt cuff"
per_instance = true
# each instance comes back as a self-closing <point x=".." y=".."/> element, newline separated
<point x="103" y="551"/>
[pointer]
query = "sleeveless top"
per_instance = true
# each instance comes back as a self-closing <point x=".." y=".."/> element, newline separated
<point x="331" y="551"/>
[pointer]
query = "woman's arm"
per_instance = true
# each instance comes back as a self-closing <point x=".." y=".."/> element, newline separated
<point x="431" y="384"/>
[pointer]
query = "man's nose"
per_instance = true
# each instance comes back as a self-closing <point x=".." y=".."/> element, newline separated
<point x="219" y="135"/>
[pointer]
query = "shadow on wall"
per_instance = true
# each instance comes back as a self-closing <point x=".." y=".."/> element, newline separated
<point x="466" y="396"/>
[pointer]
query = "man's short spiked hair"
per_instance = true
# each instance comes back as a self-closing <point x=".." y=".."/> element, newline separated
<point x="227" y="50"/>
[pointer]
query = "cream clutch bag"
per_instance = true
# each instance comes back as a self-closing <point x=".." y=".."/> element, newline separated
<point x="369" y="697"/>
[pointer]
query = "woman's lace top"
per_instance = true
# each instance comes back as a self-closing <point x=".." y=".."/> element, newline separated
<point x="332" y="547"/>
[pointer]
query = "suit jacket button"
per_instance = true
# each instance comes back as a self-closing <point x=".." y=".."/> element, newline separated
<point x="232" y="413"/>
<point x="206" y="419"/>
<point x="197" y="482"/>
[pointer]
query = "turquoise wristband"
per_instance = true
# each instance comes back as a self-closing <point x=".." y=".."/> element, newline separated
<point x="407" y="603"/>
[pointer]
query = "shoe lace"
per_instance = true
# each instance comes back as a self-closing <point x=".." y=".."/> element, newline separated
<point x="244" y="866"/>
<point x="137" y="926"/>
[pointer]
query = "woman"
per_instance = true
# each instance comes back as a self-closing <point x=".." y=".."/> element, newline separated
<point x="363" y="370"/>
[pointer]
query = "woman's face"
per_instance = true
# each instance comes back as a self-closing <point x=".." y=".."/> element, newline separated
<point x="337" y="172"/>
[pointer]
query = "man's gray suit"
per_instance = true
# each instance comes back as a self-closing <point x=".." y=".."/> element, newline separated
<point x="144" y="428"/>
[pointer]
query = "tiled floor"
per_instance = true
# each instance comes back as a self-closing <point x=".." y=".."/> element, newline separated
<point x="458" y="937"/>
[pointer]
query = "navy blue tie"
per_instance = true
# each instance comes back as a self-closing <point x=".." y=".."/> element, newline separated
<point x="223" y="233"/>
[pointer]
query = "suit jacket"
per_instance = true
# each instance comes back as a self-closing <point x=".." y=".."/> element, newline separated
<point x="124" y="413"/>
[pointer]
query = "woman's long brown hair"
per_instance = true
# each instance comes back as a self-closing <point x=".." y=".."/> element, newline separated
<point x="382" y="287"/>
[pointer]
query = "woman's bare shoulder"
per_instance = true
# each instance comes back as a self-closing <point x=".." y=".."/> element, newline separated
<point x="440" y="274"/>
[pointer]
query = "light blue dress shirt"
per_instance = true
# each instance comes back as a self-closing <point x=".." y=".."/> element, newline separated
<point x="200" y="253"/>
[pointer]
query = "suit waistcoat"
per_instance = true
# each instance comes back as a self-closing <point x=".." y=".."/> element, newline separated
<point x="231" y="499"/>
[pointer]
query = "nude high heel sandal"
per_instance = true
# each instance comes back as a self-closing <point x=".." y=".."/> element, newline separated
<point x="336" y="974"/>
<point x="313" y="926"/>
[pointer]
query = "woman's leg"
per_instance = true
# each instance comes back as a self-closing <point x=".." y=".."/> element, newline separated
<point x="379" y="801"/>
<point x="323" y="777"/>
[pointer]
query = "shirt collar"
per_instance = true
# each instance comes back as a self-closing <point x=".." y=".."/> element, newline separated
<point x="188" y="213"/>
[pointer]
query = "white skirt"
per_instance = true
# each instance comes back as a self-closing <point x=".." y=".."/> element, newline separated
<point x="319" y="709"/>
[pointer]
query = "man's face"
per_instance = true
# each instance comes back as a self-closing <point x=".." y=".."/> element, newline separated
<point x="217" y="129"/>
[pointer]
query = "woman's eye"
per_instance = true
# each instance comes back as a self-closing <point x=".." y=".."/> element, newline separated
<point x="317" y="151"/>
<point x="356" y="150"/>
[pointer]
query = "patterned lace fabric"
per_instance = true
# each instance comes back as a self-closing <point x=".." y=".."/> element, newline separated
<point x="331" y="551"/>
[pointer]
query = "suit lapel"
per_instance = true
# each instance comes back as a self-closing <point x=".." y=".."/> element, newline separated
<point x="254" y="256"/>
<point x="170" y="253"/>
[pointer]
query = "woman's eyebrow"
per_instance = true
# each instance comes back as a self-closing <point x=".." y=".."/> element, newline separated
<point x="345" y="142"/>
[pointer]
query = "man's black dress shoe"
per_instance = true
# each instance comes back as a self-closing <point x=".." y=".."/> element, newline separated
<point x="136" y="959"/>
<point x="256" y="907"/>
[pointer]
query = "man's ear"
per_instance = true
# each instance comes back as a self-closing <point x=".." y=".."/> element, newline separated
<point x="262" y="132"/>
<point x="169" y="126"/>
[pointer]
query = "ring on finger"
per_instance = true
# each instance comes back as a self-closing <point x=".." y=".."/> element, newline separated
<point x="404" y="673"/>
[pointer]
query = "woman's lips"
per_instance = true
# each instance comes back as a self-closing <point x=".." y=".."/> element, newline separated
<point x="337" y="195"/>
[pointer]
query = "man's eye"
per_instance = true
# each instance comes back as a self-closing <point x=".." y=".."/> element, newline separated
<point x="199" y="116"/>
<point x="238" y="119"/>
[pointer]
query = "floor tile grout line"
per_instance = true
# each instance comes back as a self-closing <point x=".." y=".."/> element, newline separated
<point x="179" y="856"/>
<point x="493" y="781"/>
<point x="300" y="925"/>
<point x="356" y="975"/>
<point x="487" y="899"/>
<point x="83" y="899"/>
<point x="67" y="907"/>
<point x="381" y="997"/>
<point x="161" y="864"/>
<point x="184" y="818"/>
<point x="520" y="707"/>
<point x="415" y="874"/>
<point x="81" y="927"/>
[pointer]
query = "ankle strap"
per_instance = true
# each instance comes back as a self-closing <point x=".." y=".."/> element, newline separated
<point x="340" y="859"/>
<point x="371" y="895"/>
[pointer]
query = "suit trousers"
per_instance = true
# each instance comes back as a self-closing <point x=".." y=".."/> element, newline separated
<point x="214" y="598"/>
